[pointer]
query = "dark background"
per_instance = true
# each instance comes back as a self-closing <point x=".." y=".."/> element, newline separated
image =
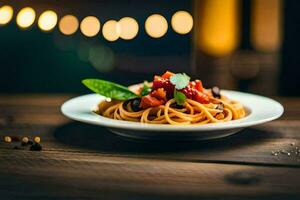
<point x="33" y="61"/>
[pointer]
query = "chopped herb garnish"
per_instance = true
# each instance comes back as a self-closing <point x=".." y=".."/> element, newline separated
<point x="179" y="97"/>
<point x="180" y="80"/>
<point x="146" y="89"/>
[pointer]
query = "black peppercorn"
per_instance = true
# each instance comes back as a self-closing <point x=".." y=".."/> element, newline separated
<point x="24" y="144"/>
<point x="36" y="147"/>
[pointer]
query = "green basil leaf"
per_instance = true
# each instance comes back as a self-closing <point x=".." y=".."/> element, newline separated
<point x="146" y="89"/>
<point x="109" y="89"/>
<point x="179" y="97"/>
<point x="180" y="80"/>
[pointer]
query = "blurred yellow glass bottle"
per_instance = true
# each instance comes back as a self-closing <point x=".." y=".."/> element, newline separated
<point x="218" y="26"/>
<point x="266" y="25"/>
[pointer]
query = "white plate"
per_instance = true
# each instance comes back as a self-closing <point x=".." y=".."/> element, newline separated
<point x="260" y="110"/>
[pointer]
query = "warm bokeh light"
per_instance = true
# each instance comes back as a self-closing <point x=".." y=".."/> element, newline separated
<point x="25" y="17"/>
<point x="182" y="22"/>
<point x="129" y="28"/>
<point x="111" y="30"/>
<point x="68" y="24"/>
<point x="47" y="20"/>
<point x="266" y="25"/>
<point x="90" y="26"/>
<point x="6" y="14"/>
<point x="218" y="26"/>
<point x="156" y="26"/>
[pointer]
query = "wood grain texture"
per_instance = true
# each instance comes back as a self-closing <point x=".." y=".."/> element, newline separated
<point x="84" y="161"/>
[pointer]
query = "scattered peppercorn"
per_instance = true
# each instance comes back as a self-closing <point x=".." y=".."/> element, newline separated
<point x="7" y="139"/>
<point x="25" y="139"/>
<point x="37" y="139"/>
<point x="216" y="92"/>
<point x="36" y="147"/>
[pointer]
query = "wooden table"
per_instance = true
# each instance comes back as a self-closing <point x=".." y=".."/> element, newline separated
<point x="84" y="161"/>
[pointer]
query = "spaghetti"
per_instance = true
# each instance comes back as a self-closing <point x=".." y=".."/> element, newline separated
<point x="191" y="112"/>
<point x="162" y="104"/>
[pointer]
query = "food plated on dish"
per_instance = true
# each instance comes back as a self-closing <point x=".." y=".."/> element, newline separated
<point x="171" y="107"/>
<point x="169" y="99"/>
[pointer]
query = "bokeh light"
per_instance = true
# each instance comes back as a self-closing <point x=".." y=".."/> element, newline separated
<point x="102" y="58"/>
<point x="111" y="30"/>
<point x="182" y="22"/>
<point x="156" y="26"/>
<point x="129" y="28"/>
<point x="90" y="26"/>
<point x="47" y="20"/>
<point x="6" y="14"/>
<point x="68" y="24"/>
<point x="25" y="17"/>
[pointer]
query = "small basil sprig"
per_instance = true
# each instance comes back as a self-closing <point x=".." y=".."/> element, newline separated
<point x="180" y="81"/>
<point x="179" y="97"/>
<point x="146" y="89"/>
<point x="109" y="89"/>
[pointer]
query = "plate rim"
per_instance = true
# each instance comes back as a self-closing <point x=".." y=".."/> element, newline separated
<point x="240" y="123"/>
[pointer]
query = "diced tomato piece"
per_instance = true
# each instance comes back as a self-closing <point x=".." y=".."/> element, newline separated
<point x="167" y="74"/>
<point x="163" y="89"/>
<point x="164" y="83"/>
<point x="188" y="92"/>
<point x="198" y="85"/>
<point x="160" y="94"/>
<point x="192" y="93"/>
<point x="201" y="97"/>
<point x="149" y="101"/>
